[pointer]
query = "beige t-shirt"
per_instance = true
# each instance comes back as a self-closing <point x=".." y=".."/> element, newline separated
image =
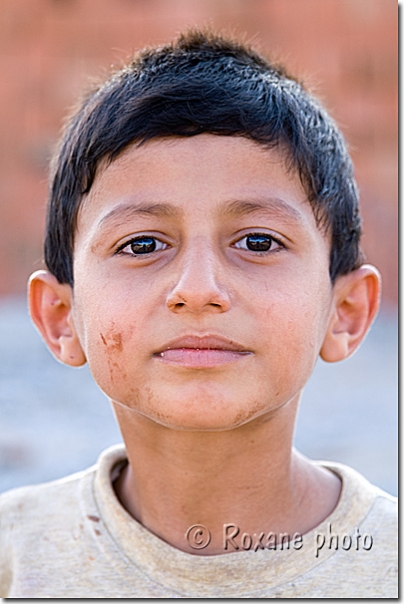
<point x="71" y="538"/>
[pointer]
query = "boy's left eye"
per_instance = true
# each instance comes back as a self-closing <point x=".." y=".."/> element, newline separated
<point x="144" y="244"/>
<point x="258" y="242"/>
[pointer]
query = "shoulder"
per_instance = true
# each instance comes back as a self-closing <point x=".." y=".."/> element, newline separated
<point x="29" y="514"/>
<point x="43" y="501"/>
<point x="30" y="499"/>
<point x="359" y="541"/>
<point x="41" y="525"/>
<point x="52" y="507"/>
<point x="365" y="497"/>
<point x="30" y="517"/>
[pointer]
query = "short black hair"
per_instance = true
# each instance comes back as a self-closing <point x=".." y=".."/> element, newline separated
<point x="204" y="83"/>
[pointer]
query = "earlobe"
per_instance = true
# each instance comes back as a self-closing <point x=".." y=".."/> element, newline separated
<point x="356" y="302"/>
<point x="50" y="304"/>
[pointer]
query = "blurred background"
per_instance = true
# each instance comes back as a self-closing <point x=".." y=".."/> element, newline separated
<point x="53" y="420"/>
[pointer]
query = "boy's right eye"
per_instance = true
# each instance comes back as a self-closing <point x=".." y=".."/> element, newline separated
<point x="144" y="244"/>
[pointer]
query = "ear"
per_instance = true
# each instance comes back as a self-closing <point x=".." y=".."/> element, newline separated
<point x="356" y="302"/>
<point x="50" y="304"/>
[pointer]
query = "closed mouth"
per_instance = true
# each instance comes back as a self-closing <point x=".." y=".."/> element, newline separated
<point x="201" y="351"/>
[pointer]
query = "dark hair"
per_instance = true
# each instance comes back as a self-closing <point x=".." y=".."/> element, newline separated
<point x="204" y="83"/>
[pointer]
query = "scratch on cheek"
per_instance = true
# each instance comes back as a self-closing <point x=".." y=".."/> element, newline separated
<point x="113" y="341"/>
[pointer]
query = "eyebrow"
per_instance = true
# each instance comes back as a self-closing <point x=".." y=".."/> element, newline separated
<point x="127" y="211"/>
<point x="274" y="206"/>
<point x="237" y="208"/>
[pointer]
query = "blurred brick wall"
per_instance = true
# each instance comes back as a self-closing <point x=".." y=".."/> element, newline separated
<point x="346" y="50"/>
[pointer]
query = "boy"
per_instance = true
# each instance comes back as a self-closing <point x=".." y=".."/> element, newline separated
<point x="202" y="250"/>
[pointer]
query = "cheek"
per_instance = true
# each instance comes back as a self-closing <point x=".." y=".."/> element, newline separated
<point x="107" y="359"/>
<point x="294" y="328"/>
<point x="107" y="335"/>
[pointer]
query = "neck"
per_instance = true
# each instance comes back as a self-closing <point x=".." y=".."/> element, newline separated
<point x="249" y="477"/>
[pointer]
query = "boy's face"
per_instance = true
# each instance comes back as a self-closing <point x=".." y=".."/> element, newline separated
<point x="202" y="293"/>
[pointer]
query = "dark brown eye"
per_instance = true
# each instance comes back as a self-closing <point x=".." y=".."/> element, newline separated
<point x="143" y="245"/>
<point x="259" y="243"/>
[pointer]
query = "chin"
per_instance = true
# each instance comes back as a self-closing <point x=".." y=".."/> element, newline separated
<point x="204" y="415"/>
<point x="198" y="407"/>
<point x="198" y="424"/>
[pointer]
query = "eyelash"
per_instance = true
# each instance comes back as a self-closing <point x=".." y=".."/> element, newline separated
<point x="156" y="242"/>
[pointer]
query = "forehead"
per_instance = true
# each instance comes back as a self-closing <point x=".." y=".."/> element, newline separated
<point x="196" y="176"/>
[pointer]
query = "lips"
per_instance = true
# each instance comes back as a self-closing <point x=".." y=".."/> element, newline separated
<point x="201" y="351"/>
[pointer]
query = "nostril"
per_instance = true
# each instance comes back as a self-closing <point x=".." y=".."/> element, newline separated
<point x="196" y="300"/>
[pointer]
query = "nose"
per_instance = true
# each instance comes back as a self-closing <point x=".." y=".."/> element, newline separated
<point x="198" y="288"/>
